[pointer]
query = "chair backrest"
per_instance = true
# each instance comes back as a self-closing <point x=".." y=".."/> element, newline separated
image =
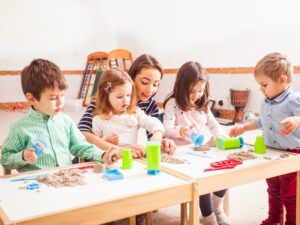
<point x="117" y="55"/>
<point x="99" y="57"/>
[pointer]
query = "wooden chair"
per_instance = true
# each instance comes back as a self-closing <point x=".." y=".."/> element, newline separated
<point x="95" y="61"/>
<point x="117" y="55"/>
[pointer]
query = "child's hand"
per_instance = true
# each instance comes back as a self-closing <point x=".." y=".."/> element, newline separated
<point x="111" y="156"/>
<point x="236" y="131"/>
<point x="186" y="131"/>
<point x="288" y="125"/>
<point x="30" y="156"/>
<point x="113" y="138"/>
<point x="168" y="146"/>
<point x="137" y="151"/>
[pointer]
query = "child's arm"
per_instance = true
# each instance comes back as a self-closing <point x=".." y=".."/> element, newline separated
<point x="99" y="142"/>
<point x="157" y="136"/>
<point x="238" y="130"/>
<point x="13" y="151"/>
<point x="86" y="127"/>
<point x="151" y="124"/>
<point x="288" y="125"/>
<point x="213" y="125"/>
<point x="171" y="129"/>
<point x="80" y="147"/>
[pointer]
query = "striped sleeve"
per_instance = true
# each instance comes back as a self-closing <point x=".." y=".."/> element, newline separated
<point x="12" y="150"/>
<point x="86" y="121"/>
<point x="150" y="108"/>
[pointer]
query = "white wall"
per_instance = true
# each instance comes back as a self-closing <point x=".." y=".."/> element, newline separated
<point x="217" y="33"/>
<point x="64" y="31"/>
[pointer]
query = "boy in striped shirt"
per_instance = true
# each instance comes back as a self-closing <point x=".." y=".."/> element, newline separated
<point x="44" y="85"/>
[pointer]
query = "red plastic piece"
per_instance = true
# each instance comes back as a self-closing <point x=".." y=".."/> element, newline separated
<point x="224" y="164"/>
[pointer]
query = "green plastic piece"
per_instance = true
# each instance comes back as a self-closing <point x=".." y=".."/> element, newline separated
<point x="127" y="160"/>
<point x="229" y="143"/>
<point x="153" y="157"/>
<point x="259" y="146"/>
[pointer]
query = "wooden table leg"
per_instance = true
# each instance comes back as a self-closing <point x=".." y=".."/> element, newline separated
<point x="149" y="216"/>
<point x="194" y="206"/>
<point x="226" y="202"/>
<point x="183" y="210"/>
<point x="132" y="220"/>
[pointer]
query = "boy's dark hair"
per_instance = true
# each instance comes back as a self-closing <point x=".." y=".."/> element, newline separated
<point x="188" y="75"/>
<point x="273" y="66"/>
<point x="40" y="75"/>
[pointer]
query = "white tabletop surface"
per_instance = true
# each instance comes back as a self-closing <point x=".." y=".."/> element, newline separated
<point x="21" y="204"/>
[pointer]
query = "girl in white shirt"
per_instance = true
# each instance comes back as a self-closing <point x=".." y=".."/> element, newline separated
<point x="186" y="110"/>
<point x="116" y="114"/>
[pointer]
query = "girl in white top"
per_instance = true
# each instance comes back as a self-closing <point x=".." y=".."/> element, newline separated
<point x="186" y="110"/>
<point x="116" y="114"/>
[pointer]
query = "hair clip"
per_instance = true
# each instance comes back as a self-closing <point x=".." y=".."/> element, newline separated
<point x="107" y="87"/>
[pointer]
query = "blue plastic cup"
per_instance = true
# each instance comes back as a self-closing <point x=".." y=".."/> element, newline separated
<point x="196" y="139"/>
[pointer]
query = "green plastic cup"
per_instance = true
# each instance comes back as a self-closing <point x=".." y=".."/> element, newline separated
<point x="259" y="146"/>
<point x="127" y="160"/>
<point x="153" y="157"/>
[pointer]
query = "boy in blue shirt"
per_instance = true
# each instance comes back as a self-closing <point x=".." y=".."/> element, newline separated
<point x="280" y="122"/>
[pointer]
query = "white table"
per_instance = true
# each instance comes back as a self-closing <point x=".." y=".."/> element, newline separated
<point x="249" y="171"/>
<point x="99" y="201"/>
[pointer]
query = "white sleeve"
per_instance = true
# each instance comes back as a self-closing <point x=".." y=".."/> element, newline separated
<point x="97" y="128"/>
<point x="213" y="125"/>
<point x="171" y="128"/>
<point x="149" y="123"/>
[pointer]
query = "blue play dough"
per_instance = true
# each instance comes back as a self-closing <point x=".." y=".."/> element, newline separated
<point x="113" y="174"/>
<point x="32" y="186"/>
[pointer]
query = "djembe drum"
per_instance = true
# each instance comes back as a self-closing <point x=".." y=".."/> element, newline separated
<point x="239" y="99"/>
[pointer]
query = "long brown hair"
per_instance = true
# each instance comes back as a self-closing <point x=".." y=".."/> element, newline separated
<point x="188" y="75"/>
<point x="144" y="61"/>
<point x="109" y="80"/>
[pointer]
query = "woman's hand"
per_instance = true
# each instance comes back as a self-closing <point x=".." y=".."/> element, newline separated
<point x="137" y="151"/>
<point x="168" y="146"/>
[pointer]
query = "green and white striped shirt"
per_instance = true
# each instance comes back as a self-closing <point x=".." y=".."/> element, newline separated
<point x="59" y="132"/>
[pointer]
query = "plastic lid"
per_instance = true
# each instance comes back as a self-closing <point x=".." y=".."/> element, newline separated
<point x="242" y="142"/>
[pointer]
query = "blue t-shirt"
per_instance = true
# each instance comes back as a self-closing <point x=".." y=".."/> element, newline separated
<point x="272" y="112"/>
